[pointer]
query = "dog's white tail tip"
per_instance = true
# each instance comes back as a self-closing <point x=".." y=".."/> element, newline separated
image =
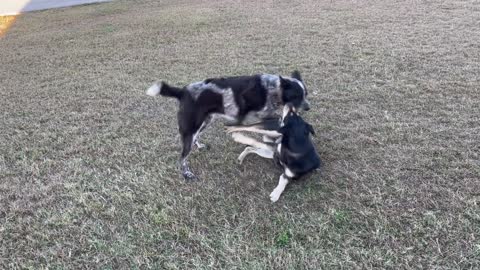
<point x="154" y="90"/>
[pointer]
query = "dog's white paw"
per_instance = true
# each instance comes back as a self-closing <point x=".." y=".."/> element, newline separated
<point x="245" y="152"/>
<point x="200" y="145"/>
<point x="241" y="157"/>
<point x="275" y="195"/>
<point x="189" y="176"/>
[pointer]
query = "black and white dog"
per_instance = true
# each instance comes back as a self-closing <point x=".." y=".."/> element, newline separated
<point x="234" y="98"/>
<point x="293" y="149"/>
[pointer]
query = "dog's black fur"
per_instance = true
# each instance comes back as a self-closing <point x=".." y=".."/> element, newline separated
<point x="293" y="149"/>
<point x="297" y="152"/>
<point x="234" y="98"/>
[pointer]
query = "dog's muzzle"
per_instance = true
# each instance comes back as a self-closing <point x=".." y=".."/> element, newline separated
<point x="305" y="105"/>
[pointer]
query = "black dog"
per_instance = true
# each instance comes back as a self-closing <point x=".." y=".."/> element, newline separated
<point x="233" y="98"/>
<point x="293" y="149"/>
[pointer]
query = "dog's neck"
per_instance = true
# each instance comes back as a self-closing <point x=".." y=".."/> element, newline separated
<point x="274" y="96"/>
<point x="271" y="83"/>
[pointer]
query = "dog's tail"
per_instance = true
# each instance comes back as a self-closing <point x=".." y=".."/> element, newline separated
<point x="162" y="88"/>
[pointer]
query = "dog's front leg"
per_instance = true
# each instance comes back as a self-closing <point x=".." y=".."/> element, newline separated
<point x="282" y="183"/>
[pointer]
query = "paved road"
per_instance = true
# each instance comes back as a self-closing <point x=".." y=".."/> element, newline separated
<point x="13" y="7"/>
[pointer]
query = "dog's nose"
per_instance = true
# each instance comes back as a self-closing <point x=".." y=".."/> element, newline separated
<point x="306" y="106"/>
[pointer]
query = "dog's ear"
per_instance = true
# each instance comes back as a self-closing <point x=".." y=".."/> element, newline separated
<point x="310" y="129"/>
<point x="296" y="75"/>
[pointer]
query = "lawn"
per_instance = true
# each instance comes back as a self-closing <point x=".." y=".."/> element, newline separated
<point x="88" y="163"/>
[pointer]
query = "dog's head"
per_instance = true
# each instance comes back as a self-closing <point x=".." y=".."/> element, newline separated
<point x="294" y="125"/>
<point x="294" y="92"/>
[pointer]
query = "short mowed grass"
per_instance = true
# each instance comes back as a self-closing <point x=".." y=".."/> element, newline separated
<point x="88" y="163"/>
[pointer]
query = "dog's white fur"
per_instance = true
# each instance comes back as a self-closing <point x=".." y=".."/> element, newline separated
<point x="154" y="90"/>
<point x="269" y="133"/>
<point x="231" y="108"/>
<point x="282" y="183"/>
<point x="289" y="173"/>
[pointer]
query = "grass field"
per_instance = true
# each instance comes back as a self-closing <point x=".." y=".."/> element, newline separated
<point x="88" y="162"/>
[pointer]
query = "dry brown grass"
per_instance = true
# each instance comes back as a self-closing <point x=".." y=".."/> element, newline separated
<point x="88" y="173"/>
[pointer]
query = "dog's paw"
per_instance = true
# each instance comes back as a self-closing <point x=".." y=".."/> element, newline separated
<point x="245" y="152"/>
<point x="201" y="145"/>
<point x="240" y="160"/>
<point x="275" y="195"/>
<point x="189" y="176"/>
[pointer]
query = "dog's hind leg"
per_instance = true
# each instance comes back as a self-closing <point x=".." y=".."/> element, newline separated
<point x="246" y="151"/>
<point x="268" y="139"/>
<point x="270" y="133"/>
<point x="282" y="183"/>
<point x="204" y="125"/>
<point x="187" y="142"/>
<point x="266" y="153"/>
<point x="240" y="138"/>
